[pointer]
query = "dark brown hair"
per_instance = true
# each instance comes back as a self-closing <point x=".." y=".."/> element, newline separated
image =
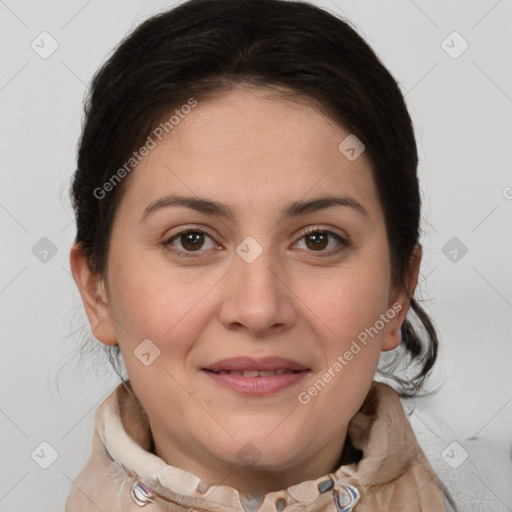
<point x="203" y="47"/>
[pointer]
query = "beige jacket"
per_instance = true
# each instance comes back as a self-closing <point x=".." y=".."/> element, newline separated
<point x="122" y="475"/>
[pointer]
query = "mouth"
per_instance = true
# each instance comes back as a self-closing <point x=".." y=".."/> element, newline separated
<point x="250" y="376"/>
<point x="245" y="364"/>
<point x="254" y="373"/>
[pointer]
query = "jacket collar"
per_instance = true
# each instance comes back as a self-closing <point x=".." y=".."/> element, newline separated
<point x="379" y="429"/>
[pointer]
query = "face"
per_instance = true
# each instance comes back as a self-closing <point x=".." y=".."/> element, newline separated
<point x="274" y="272"/>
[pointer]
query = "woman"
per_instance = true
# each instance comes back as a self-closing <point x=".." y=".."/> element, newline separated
<point x="247" y="211"/>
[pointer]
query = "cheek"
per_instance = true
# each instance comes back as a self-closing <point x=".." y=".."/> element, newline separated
<point x="350" y="348"/>
<point x="166" y="307"/>
<point x="346" y="308"/>
<point x="350" y="301"/>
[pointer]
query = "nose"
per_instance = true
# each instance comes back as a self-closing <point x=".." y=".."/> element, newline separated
<point x="258" y="297"/>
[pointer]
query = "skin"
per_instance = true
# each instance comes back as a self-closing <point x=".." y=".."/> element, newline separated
<point x="256" y="152"/>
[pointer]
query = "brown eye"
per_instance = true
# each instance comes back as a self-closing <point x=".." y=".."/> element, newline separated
<point x="190" y="240"/>
<point x="317" y="240"/>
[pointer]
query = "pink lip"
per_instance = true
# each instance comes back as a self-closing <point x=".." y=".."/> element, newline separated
<point x="259" y="385"/>
<point x="252" y="363"/>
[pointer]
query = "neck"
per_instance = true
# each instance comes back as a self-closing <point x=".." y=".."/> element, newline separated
<point x="252" y="483"/>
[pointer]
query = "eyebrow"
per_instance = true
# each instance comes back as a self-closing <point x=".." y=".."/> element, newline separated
<point x="214" y="208"/>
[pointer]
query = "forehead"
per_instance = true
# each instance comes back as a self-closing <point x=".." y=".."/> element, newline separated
<point x="251" y="147"/>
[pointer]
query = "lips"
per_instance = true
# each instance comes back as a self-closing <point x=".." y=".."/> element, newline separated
<point x="253" y="367"/>
<point x="255" y="373"/>
<point x="256" y="377"/>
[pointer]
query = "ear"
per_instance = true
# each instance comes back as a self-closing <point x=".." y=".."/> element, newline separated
<point x="399" y="302"/>
<point x="94" y="296"/>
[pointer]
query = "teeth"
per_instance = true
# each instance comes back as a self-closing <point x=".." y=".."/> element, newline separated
<point x="255" y="373"/>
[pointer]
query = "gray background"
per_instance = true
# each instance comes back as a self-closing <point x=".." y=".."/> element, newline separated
<point x="462" y="110"/>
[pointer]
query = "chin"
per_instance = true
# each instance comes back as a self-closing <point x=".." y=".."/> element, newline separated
<point x="257" y="453"/>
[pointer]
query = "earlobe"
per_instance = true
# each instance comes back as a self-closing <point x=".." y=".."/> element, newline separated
<point x="391" y="340"/>
<point x="400" y="303"/>
<point x="94" y="296"/>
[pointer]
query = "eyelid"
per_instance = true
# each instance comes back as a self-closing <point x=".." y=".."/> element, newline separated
<point x="330" y="230"/>
<point x="191" y="228"/>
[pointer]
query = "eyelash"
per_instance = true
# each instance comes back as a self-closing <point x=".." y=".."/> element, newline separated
<point x="194" y="254"/>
